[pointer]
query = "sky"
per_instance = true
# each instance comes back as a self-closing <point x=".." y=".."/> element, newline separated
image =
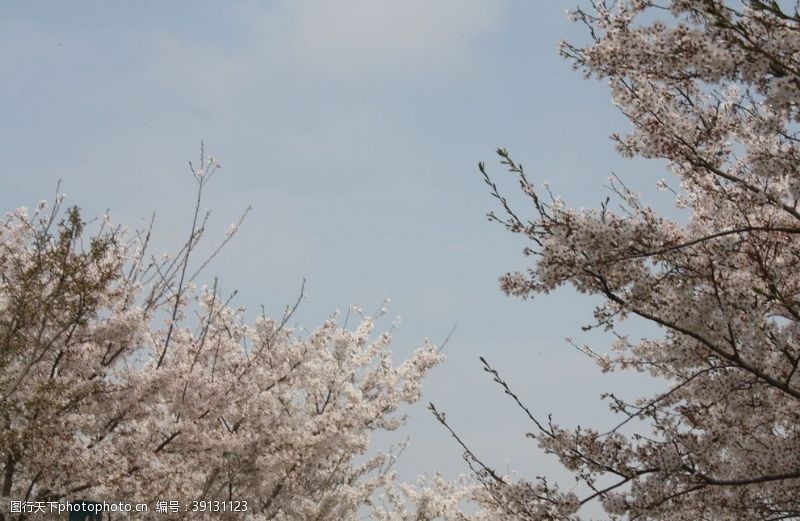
<point x="353" y="129"/>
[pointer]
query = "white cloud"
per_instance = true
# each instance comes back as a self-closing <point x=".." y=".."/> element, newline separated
<point x="308" y="40"/>
<point x="355" y="38"/>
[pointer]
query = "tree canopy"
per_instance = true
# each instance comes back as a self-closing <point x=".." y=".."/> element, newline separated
<point x="121" y="380"/>
<point x="713" y="88"/>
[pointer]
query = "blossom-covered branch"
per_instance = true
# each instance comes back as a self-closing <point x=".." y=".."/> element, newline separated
<point x="120" y="380"/>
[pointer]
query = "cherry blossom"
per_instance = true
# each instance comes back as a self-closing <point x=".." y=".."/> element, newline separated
<point x="124" y="380"/>
<point x="713" y="88"/>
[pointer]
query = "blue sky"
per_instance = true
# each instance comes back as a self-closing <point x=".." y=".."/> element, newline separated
<point x="353" y="128"/>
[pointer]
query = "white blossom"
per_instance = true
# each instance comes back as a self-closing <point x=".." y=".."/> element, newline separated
<point x="121" y="381"/>
<point x="715" y="92"/>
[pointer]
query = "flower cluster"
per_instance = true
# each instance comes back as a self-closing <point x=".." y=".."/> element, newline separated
<point x="712" y="88"/>
<point x="110" y="391"/>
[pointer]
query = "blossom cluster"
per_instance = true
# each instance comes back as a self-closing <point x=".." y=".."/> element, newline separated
<point x="712" y="88"/>
<point x="120" y="380"/>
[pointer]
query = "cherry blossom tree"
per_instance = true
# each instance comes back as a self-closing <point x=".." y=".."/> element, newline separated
<point x="713" y="88"/>
<point x="122" y="380"/>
